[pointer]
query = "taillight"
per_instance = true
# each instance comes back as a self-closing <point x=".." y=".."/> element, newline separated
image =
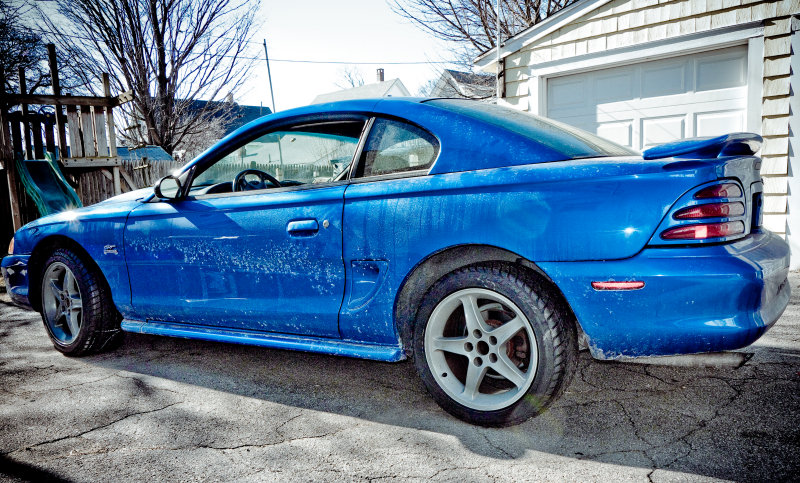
<point x="713" y="213"/>
<point x="725" y="190"/>
<point x="711" y="210"/>
<point x="706" y="230"/>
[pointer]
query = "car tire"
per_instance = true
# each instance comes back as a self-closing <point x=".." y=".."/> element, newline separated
<point x="509" y="359"/>
<point x="76" y="306"/>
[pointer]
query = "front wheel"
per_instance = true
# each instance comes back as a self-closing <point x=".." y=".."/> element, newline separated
<point x="76" y="306"/>
<point x="492" y="345"/>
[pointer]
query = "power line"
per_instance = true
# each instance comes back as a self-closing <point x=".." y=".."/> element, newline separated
<point x="291" y="61"/>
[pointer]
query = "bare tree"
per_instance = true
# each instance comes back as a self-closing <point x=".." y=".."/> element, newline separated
<point x="350" y="76"/>
<point x="474" y="22"/>
<point x="170" y="53"/>
<point x="23" y="47"/>
<point x="195" y="143"/>
<point x="427" y="88"/>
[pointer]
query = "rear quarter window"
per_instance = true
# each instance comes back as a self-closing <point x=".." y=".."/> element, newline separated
<point x="396" y="147"/>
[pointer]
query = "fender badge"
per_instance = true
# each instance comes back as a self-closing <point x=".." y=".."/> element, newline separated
<point x="110" y="250"/>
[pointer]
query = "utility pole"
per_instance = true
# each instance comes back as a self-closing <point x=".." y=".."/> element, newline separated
<point x="497" y="46"/>
<point x="272" y="94"/>
<point x="269" y="75"/>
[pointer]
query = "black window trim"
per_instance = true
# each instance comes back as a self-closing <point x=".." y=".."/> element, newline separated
<point x="360" y="148"/>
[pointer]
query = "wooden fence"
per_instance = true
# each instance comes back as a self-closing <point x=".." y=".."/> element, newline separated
<point x="298" y="172"/>
<point x="98" y="185"/>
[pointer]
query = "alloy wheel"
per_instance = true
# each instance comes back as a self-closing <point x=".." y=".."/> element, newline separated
<point x="61" y="303"/>
<point x="481" y="349"/>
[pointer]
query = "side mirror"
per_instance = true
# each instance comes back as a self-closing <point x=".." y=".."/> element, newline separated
<point x="168" y="188"/>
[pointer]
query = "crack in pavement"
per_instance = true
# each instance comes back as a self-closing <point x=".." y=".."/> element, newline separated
<point x="267" y="445"/>
<point x="96" y="428"/>
<point x="454" y="468"/>
<point x="702" y="424"/>
<point x="498" y="448"/>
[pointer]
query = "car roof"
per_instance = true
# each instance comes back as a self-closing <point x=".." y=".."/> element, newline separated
<point x="466" y="142"/>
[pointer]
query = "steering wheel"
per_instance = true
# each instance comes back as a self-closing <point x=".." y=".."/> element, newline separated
<point x="240" y="182"/>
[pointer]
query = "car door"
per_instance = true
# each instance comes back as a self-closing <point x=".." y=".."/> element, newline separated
<point x="387" y="205"/>
<point x="262" y="255"/>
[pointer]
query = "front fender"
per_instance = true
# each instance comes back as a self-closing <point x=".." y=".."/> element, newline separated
<point x="96" y="230"/>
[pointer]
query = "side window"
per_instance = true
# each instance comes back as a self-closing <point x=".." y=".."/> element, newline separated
<point x="307" y="154"/>
<point x="395" y="147"/>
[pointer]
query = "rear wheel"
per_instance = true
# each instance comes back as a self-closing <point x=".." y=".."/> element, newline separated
<point x="492" y="345"/>
<point x="76" y="306"/>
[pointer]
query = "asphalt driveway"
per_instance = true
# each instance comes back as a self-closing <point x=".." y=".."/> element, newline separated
<point x="162" y="408"/>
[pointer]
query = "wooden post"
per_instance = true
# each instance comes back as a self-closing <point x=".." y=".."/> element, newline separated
<point x="26" y="126"/>
<point x="112" y="136"/>
<point x="87" y="133"/>
<point x="60" y="122"/>
<point x="49" y="140"/>
<point x="75" y="144"/>
<point x="7" y="157"/>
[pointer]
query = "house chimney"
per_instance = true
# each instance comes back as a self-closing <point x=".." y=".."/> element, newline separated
<point x="380" y="75"/>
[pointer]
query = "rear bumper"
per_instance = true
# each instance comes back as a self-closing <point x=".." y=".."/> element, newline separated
<point x="695" y="299"/>
<point x="15" y="273"/>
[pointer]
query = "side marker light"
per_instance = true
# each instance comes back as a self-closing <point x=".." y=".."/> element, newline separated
<point x="632" y="285"/>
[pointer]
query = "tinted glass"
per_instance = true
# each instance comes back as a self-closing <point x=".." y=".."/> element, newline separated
<point x="563" y="138"/>
<point x="396" y="147"/>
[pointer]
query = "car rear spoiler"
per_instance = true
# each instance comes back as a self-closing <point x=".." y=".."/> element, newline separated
<point x="736" y="144"/>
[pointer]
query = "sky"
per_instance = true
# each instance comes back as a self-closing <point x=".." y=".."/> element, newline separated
<point x="335" y="30"/>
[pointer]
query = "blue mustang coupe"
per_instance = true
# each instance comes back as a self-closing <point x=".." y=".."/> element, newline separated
<point x="480" y="241"/>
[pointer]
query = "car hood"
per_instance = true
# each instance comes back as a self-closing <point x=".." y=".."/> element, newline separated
<point x="140" y="194"/>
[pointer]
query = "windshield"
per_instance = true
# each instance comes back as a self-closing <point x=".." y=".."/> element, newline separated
<point x="570" y="141"/>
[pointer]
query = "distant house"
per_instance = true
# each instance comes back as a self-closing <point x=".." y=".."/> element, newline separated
<point x="143" y="153"/>
<point x="454" y="83"/>
<point x="389" y="88"/>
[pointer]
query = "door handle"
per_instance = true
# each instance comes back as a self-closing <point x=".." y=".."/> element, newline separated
<point x="302" y="227"/>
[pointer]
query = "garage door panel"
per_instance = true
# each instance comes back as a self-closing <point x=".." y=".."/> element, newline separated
<point x="718" y="123"/>
<point x="660" y="130"/>
<point x="657" y="101"/>
<point x="568" y="93"/>
<point x="664" y="79"/>
<point x="617" y="86"/>
<point x="620" y="132"/>
<point x="728" y="98"/>
<point x="722" y="71"/>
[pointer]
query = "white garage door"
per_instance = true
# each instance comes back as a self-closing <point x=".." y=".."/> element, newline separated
<point x="649" y="103"/>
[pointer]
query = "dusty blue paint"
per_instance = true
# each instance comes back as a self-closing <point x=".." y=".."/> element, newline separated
<point x="264" y="268"/>
<point x="695" y="299"/>
<point x="92" y="227"/>
<point x="15" y="273"/>
<point x="231" y="261"/>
